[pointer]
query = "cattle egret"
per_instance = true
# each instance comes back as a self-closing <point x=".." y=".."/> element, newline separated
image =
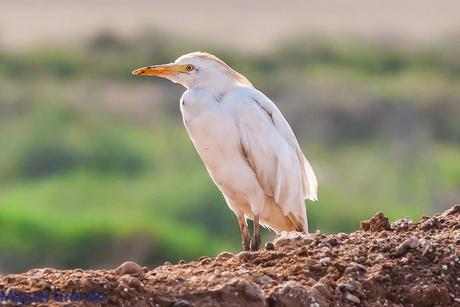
<point x="246" y="144"/>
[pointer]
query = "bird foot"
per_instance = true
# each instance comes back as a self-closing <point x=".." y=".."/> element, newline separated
<point x="246" y="245"/>
<point x="255" y="243"/>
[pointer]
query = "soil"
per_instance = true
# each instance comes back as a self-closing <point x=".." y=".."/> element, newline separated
<point x="399" y="264"/>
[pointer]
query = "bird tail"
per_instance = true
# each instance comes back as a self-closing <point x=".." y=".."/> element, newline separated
<point x="309" y="181"/>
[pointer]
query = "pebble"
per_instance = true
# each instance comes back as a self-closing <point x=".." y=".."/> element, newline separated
<point x="244" y="256"/>
<point x="225" y="255"/>
<point x="405" y="246"/>
<point x="350" y="297"/>
<point x="263" y="280"/>
<point x="205" y="260"/>
<point x="182" y="303"/>
<point x="325" y="261"/>
<point x="285" y="238"/>
<point x="358" y="267"/>
<point x="39" y="273"/>
<point x="194" y="279"/>
<point x="342" y="235"/>
<point x="129" y="267"/>
<point x="269" y="246"/>
<point x="347" y="287"/>
<point x="243" y="271"/>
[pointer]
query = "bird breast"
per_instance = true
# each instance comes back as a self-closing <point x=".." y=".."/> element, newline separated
<point x="212" y="127"/>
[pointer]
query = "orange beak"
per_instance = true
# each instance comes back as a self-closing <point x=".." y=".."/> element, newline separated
<point x="160" y="70"/>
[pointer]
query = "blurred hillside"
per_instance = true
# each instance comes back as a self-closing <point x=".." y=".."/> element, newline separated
<point x="96" y="167"/>
<point x="238" y="24"/>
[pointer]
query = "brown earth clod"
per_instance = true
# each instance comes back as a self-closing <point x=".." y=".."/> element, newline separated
<point x="378" y="222"/>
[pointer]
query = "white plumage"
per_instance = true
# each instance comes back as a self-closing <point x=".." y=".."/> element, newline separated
<point x="245" y="142"/>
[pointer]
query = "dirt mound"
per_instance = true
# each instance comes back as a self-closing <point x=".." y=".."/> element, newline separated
<point x="398" y="264"/>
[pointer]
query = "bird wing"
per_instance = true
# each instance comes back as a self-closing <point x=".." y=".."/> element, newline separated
<point x="274" y="153"/>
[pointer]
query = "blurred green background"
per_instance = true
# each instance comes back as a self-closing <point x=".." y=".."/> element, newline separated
<point x="96" y="167"/>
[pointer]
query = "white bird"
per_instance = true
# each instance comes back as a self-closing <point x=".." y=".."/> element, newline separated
<point x="246" y="144"/>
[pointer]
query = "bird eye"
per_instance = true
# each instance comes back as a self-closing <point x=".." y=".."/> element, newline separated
<point x="189" y="67"/>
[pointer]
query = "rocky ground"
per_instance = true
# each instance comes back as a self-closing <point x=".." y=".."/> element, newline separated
<point x="399" y="264"/>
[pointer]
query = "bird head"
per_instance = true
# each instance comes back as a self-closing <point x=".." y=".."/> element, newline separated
<point x="196" y="69"/>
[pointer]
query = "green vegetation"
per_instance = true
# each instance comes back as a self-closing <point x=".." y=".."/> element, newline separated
<point x="96" y="167"/>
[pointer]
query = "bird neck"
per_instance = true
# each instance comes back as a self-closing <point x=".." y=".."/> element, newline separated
<point x="217" y="87"/>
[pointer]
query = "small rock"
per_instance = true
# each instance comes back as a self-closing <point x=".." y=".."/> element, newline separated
<point x="430" y="223"/>
<point x="243" y="271"/>
<point x="332" y="241"/>
<point x="359" y="267"/>
<point x="182" y="261"/>
<point x="269" y="246"/>
<point x="129" y="267"/>
<point x="263" y="280"/>
<point x="325" y="261"/>
<point x="244" y="256"/>
<point x="347" y="287"/>
<point x="457" y="239"/>
<point x="402" y="223"/>
<point x="342" y="236"/>
<point x="291" y="294"/>
<point x="454" y="210"/>
<point x="194" y="279"/>
<point x="182" y="303"/>
<point x="204" y="260"/>
<point x="405" y="246"/>
<point x="39" y="273"/>
<point x="292" y="238"/>
<point x="240" y="290"/>
<point x="129" y="280"/>
<point x="350" y="297"/>
<point x="225" y="255"/>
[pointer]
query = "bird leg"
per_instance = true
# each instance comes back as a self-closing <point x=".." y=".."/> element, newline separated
<point x="244" y="231"/>
<point x="255" y="241"/>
